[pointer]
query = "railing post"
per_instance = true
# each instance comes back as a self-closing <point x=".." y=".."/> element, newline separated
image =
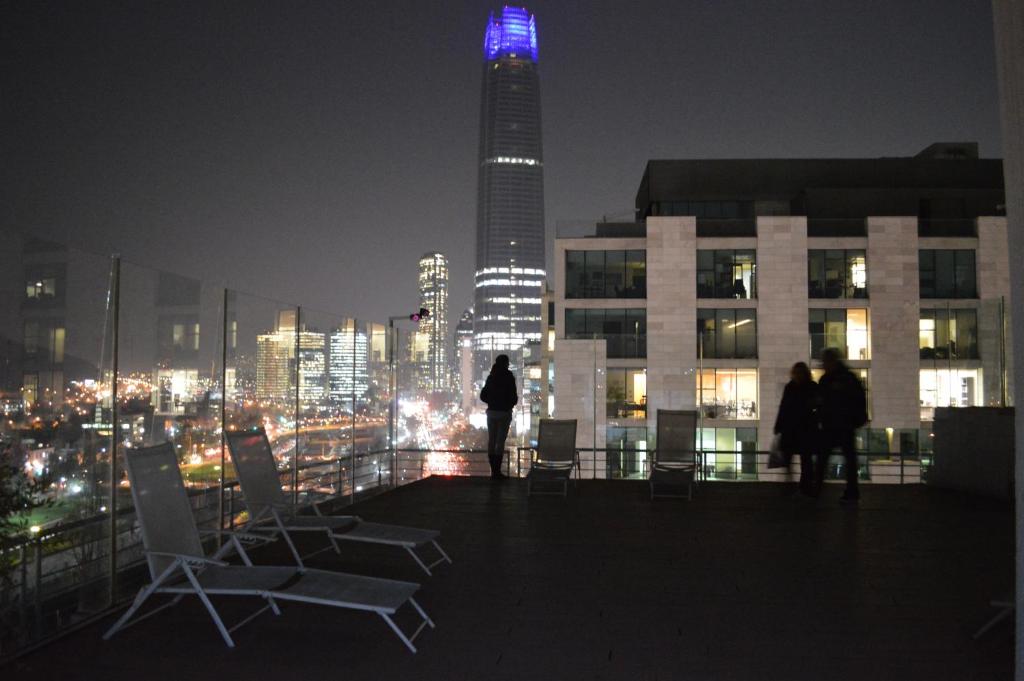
<point x="115" y="436"/>
<point x="223" y="417"/>
<point x="298" y="385"/>
<point x="38" y="600"/>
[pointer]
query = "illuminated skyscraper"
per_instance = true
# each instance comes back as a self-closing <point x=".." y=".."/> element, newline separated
<point x="510" y="192"/>
<point x="433" y="331"/>
<point x="349" y="375"/>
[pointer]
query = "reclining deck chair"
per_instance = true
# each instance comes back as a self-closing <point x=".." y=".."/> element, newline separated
<point x="675" y="459"/>
<point x="270" y="512"/>
<point x="555" y="456"/>
<point x="178" y="565"/>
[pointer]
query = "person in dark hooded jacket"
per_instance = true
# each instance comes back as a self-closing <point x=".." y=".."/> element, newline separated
<point x="843" y="410"/>
<point x="797" y="424"/>
<point x="500" y="395"/>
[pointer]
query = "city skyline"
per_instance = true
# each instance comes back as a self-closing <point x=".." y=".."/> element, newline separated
<point x="274" y="143"/>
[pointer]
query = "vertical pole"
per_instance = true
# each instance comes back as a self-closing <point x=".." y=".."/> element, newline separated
<point x="1003" y="392"/>
<point x="593" y="407"/>
<point x="699" y="454"/>
<point x="223" y="415"/>
<point x="392" y="402"/>
<point x="115" y="305"/>
<point x="352" y="441"/>
<point x="37" y="602"/>
<point x="298" y="383"/>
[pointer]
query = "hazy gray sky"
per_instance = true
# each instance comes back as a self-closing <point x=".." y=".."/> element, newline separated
<point x="311" y="151"/>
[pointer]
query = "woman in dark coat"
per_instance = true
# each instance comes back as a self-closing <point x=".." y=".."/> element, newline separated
<point x="501" y="397"/>
<point x="797" y="424"/>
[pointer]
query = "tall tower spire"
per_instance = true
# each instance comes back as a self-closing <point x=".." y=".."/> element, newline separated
<point x="510" y="235"/>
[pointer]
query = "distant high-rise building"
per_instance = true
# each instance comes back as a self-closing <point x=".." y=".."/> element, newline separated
<point x="349" y="375"/>
<point x="510" y="237"/>
<point x="433" y="283"/>
<point x="312" y="368"/>
<point x="463" y="360"/>
<point x="276" y="363"/>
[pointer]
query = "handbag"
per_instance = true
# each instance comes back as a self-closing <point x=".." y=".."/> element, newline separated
<point x="776" y="457"/>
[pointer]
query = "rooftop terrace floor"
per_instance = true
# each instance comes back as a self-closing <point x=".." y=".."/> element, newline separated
<point x="743" y="582"/>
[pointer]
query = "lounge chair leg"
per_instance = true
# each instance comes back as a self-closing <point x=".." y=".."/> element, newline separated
<point x="142" y="597"/>
<point x="422" y="614"/>
<point x="399" y="632"/>
<point x="273" y="605"/>
<point x="1003" y="614"/>
<point x="209" y="606"/>
<point x="287" y="538"/>
<point x="418" y="561"/>
<point x="441" y="551"/>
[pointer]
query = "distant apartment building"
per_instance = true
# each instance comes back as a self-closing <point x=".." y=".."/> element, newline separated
<point x="737" y="269"/>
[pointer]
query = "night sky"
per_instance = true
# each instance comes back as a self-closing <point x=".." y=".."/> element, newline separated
<point x="312" y="151"/>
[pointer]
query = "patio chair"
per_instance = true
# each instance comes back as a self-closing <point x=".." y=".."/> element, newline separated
<point x="555" y="456"/>
<point x="675" y="459"/>
<point x="179" y="566"/>
<point x="270" y="511"/>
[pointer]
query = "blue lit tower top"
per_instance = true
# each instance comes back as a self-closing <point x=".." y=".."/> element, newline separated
<point x="514" y="36"/>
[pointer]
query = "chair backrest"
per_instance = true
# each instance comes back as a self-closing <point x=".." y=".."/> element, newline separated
<point x="161" y="504"/>
<point x="677" y="436"/>
<point x="556" y="441"/>
<point x="257" y="472"/>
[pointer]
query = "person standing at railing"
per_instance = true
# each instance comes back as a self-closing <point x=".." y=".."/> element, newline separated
<point x="843" y="410"/>
<point x="797" y="425"/>
<point x="500" y="395"/>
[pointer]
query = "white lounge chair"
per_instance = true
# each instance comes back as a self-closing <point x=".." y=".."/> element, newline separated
<point x="675" y="459"/>
<point x="178" y="565"/>
<point x="270" y="511"/>
<point x="555" y="456"/>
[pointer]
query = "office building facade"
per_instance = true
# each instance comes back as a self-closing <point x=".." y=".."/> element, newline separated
<point x="735" y="270"/>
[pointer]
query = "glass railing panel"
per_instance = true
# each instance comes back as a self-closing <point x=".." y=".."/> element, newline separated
<point x="261" y="383"/>
<point x="56" y="370"/>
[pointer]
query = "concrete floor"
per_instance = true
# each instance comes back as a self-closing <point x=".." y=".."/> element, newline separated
<point x="744" y="582"/>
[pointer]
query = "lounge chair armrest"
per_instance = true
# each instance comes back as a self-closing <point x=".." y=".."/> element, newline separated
<point x="186" y="558"/>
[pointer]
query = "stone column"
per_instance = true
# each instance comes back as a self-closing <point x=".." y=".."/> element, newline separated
<point x="994" y="338"/>
<point x="782" y="338"/>
<point x="580" y="393"/>
<point x="671" y="316"/>
<point x="894" y="292"/>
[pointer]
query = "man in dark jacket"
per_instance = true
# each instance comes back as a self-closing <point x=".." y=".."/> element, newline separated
<point x="843" y="409"/>
<point x="501" y="397"/>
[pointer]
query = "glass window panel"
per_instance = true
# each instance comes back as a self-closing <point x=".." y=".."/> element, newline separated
<point x="966" y="284"/>
<point x="575" y="274"/>
<point x="857" y="274"/>
<point x="636" y="274"/>
<point x="614" y="274"/>
<point x="706" y="329"/>
<point x="835" y="279"/>
<point x="857" y="345"/>
<point x="575" y="323"/>
<point x="746" y="333"/>
<point x="816" y="274"/>
<point x="595" y="274"/>
<point x="945" y="274"/>
<point x="725" y="321"/>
